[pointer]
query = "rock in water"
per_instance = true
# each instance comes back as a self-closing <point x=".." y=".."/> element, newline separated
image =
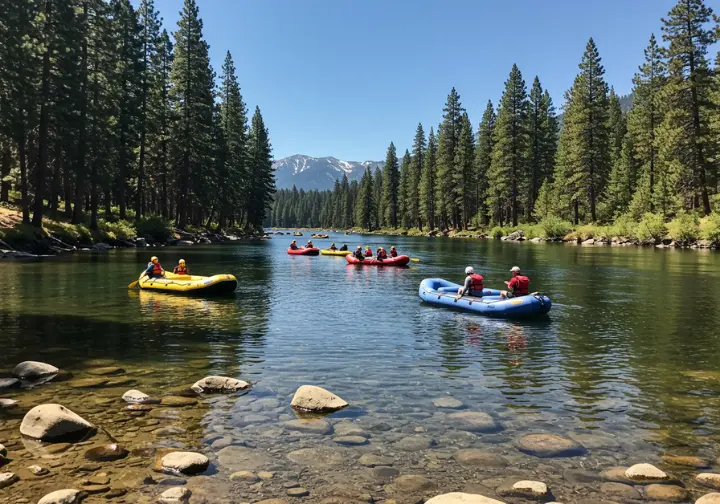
<point x="106" y="453"/>
<point x="211" y="384"/>
<point x="7" y="403"/>
<point x="7" y="479"/>
<point x="312" y="398"/>
<point x="473" y="421"/>
<point x="9" y="383"/>
<point x="176" y="495"/>
<point x="711" y="498"/>
<point x="185" y="463"/>
<point x="462" y="498"/>
<point x="30" y="370"/>
<point x="472" y="457"/>
<point x="412" y="483"/>
<point x="69" y="496"/>
<point x="647" y="472"/>
<point x="711" y="480"/>
<point x="549" y="445"/>
<point x="310" y="426"/>
<point x="137" y="397"/>
<point x="666" y="493"/>
<point x="3" y="451"/>
<point x="50" y="422"/>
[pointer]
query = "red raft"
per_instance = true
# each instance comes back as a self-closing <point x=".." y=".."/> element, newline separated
<point x="401" y="260"/>
<point x="304" y="251"/>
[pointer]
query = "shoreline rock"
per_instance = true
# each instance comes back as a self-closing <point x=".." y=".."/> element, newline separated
<point x="219" y="384"/>
<point x="316" y="399"/>
<point x="51" y="422"/>
<point x="32" y="370"/>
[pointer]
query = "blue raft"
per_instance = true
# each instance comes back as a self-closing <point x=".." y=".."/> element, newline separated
<point x="441" y="292"/>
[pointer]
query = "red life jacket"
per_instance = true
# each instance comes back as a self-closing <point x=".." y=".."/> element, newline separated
<point x="180" y="270"/>
<point x="476" y="282"/>
<point x="381" y="254"/>
<point x="368" y="253"/>
<point x="157" y="269"/>
<point x="521" y="286"/>
<point x="393" y="252"/>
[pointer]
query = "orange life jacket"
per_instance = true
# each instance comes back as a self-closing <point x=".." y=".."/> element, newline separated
<point x="368" y="253"/>
<point x="157" y="268"/>
<point x="476" y="282"/>
<point x="521" y="286"/>
<point x="180" y="269"/>
<point x="393" y="252"/>
<point x="381" y="254"/>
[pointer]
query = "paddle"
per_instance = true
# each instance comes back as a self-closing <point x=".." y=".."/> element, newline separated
<point x="133" y="285"/>
<point x="414" y="259"/>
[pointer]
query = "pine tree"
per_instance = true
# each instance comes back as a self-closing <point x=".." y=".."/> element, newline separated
<point x="687" y="97"/>
<point x="427" y="183"/>
<point x="464" y="173"/>
<point x="508" y="171"/>
<point x="483" y="159"/>
<point x="586" y="159"/>
<point x="391" y="188"/>
<point x="261" y="178"/>
<point x="446" y="190"/>
<point x="542" y="140"/>
<point x="415" y="178"/>
<point x="365" y="204"/>
<point x="378" y="186"/>
<point x="404" y="188"/>
<point x="617" y="125"/>
<point x="621" y="185"/>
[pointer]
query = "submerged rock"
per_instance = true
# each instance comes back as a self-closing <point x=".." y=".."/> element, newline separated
<point x="106" y="453"/>
<point x="68" y="496"/>
<point x="7" y="403"/>
<point x="211" y="384"/>
<point x="473" y="457"/>
<point x="525" y="488"/>
<point x="310" y="426"/>
<point x="9" y="383"/>
<point x="448" y="402"/>
<point x="666" y="493"/>
<point x="137" y="397"/>
<point x="49" y="422"/>
<point x="375" y="460"/>
<point x="412" y="483"/>
<point x="7" y="479"/>
<point x="320" y="457"/>
<point x="686" y="461"/>
<point x="711" y="480"/>
<point x="415" y="443"/>
<point x="462" y="498"/>
<point x="312" y="398"/>
<point x="350" y="440"/>
<point x="30" y="370"/>
<point x="620" y="490"/>
<point x="645" y="472"/>
<point x="549" y="445"/>
<point x="188" y="463"/>
<point x="178" y="401"/>
<point x="106" y="371"/>
<point x="473" y="421"/>
<point x="175" y="495"/>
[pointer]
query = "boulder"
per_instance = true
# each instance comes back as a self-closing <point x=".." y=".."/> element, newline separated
<point x="549" y="445"/>
<point x="175" y="495"/>
<point x="137" y="397"/>
<point x="462" y="498"/>
<point x="711" y="498"/>
<point x="30" y="370"/>
<point x="518" y="235"/>
<point x="50" y="422"/>
<point x="7" y="479"/>
<point x="711" y="480"/>
<point x="187" y="463"/>
<point x="69" y="496"/>
<point x="312" y="398"/>
<point x="211" y="384"/>
<point x="645" y="472"/>
<point x="473" y="421"/>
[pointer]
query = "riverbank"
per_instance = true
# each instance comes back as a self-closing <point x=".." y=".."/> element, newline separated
<point x="23" y="241"/>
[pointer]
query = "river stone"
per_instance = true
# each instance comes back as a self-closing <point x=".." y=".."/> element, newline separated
<point x="106" y="371"/>
<point x="178" y="401"/>
<point x="473" y="421"/>
<point x="7" y="479"/>
<point x="3" y="451"/>
<point x="88" y="383"/>
<point x="137" y="397"/>
<point x="686" y="461"/>
<point x="175" y="495"/>
<point x="9" y="383"/>
<point x="711" y="498"/>
<point x="69" y="496"/>
<point x="645" y="472"/>
<point x="350" y="440"/>
<point x="524" y="488"/>
<point x="462" y="498"/>
<point x="49" y="422"/>
<point x="211" y="384"/>
<point x="616" y="474"/>
<point x="415" y="443"/>
<point x="349" y="429"/>
<point x="620" y="490"/>
<point x="30" y="370"/>
<point x="272" y="501"/>
<point x="410" y="483"/>
<point x="310" y="426"/>
<point x="240" y="458"/>
<point x="7" y="403"/>
<point x="548" y="445"/>
<point x="246" y="476"/>
<point x="185" y="463"/>
<point x="581" y="477"/>
<point x="375" y="460"/>
<point x="106" y="453"/>
<point x="711" y="480"/>
<point x="472" y="457"/>
<point x="320" y="457"/>
<point x="666" y="493"/>
<point x="297" y="492"/>
<point x="448" y="402"/>
<point x="385" y="473"/>
<point x="37" y="470"/>
<point x="594" y="441"/>
<point x="312" y="398"/>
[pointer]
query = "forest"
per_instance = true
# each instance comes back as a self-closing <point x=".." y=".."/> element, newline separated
<point x="105" y="116"/>
<point x="596" y="163"/>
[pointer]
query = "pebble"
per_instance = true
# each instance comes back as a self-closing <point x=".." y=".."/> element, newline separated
<point x="350" y="440"/>
<point x="185" y="462"/>
<point x="375" y="460"/>
<point x="532" y="488"/>
<point x="620" y="490"/>
<point x="297" y="492"/>
<point x="175" y="495"/>
<point x="246" y="476"/>
<point x="265" y="475"/>
<point x="666" y="493"/>
<point x="137" y="397"/>
<point x="37" y="470"/>
<point x="106" y="453"/>
<point x="711" y="480"/>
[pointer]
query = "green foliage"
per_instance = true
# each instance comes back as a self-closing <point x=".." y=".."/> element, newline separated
<point x="554" y="227"/>
<point x="497" y="232"/>
<point x="121" y="229"/>
<point x="155" y="227"/>
<point x="684" y="228"/>
<point x="710" y="228"/>
<point x="651" y="228"/>
<point x="624" y="227"/>
<point x="391" y="188"/>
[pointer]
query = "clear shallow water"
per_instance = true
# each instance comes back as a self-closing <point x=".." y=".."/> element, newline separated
<point x="630" y="348"/>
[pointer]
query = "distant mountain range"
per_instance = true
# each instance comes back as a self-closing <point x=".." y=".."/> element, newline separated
<point x="305" y="172"/>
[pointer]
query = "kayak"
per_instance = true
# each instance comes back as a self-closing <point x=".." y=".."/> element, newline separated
<point x="304" y="251"/>
<point x="329" y="252"/>
<point x="401" y="260"/>
<point x="190" y="284"/>
<point x="441" y="292"/>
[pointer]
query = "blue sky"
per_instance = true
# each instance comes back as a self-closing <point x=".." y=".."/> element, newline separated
<point x="343" y="78"/>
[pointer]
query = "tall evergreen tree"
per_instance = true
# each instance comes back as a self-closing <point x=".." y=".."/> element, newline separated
<point x="404" y="188"/>
<point x="542" y="140"/>
<point x="378" y="187"/>
<point x="427" y="183"/>
<point x="446" y="189"/>
<point x="391" y="188"/>
<point x="365" y="206"/>
<point x="483" y="158"/>
<point x="260" y="175"/>
<point x="415" y="178"/>
<point x="464" y="173"/>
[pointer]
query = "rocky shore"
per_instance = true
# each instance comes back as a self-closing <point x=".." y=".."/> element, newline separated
<point x="100" y="435"/>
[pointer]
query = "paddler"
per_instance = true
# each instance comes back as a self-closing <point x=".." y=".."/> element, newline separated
<point x="309" y="244"/>
<point x="473" y="285"/>
<point x="519" y="285"/>
<point x="368" y="251"/>
<point x="154" y="269"/>
<point x="293" y="245"/>
<point x="333" y="247"/>
<point x="358" y="254"/>
<point x="393" y="252"/>
<point x="381" y="254"/>
<point x="344" y="247"/>
<point x="181" y="269"/>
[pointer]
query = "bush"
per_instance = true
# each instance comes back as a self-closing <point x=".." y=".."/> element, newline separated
<point x="155" y="227"/>
<point x="497" y="232"/>
<point x="684" y="228"/>
<point x="651" y="228"/>
<point x="120" y="230"/>
<point x="710" y="228"/>
<point x="72" y="234"/>
<point x="554" y="227"/>
<point x="624" y="227"/>
<point x="591" y="231"/>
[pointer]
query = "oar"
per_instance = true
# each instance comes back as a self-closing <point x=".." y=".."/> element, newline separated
<point x="133" y="285"/>
<point x="414" y="259"/>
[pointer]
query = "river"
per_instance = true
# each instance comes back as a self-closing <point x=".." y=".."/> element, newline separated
<point x="628" y="362"/>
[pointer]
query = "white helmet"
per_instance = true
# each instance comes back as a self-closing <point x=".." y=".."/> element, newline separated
<point x="469" y="270"/>
<point x="515" y="269"/>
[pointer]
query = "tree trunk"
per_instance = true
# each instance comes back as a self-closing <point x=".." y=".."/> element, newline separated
<point x="55" y="186"/>
<point x="82" y="141"/>
<point x="5" y="172"/>
<point x="67" y="191"/>
<point x="41" y="167"/>
<point x="22" y="153"/>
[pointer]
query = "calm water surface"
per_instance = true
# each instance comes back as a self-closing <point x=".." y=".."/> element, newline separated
<point x="631" y="348"/>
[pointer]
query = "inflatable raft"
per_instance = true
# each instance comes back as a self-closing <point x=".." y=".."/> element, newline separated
<point x="190" y="284"/>
<point x="322" y="236"/>
<point x="329" y="252"/>
<point x="304" y="251"/>
<point x="441" y="292"/>
<point x="401" y="260"/>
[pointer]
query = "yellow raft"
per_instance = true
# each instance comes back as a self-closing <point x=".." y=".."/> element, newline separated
<point x="191" y="284"/>
<point x="335" y="252"/>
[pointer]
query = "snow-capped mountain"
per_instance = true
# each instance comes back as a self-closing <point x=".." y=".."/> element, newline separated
<point x="308" y="173"/>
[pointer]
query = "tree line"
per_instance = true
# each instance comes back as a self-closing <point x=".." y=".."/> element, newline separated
<point x="101" y="110"/>
<point x="524" y="163"/>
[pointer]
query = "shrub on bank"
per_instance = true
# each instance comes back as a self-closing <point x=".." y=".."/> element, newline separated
<point x="554" y="227"/>
<point x="155" y="227"/>
<point x="497" y="232"/>
<point x="624" y="227"/>
<point x="119" y="230"/>
<point x="684" y="228"/>
<point x="651" y="228"/>
<point x="72" y="234"/>
<point x="710" y="228"/>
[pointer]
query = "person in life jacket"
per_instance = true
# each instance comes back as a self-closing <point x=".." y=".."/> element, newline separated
<point x="309" y="244"/>
<point x="154" y="269"/>
<point x="368" y="251"/>
<point x="519" y="285"/>
<point x="473" y="285"/>
<point x="293" y="245"/>
<point x="358" y="254"/>
<point x="344" y="246"/>
<point x="393" y="252"/>
<point x="381" y="254"/>
<point x="332" y="246"/>
<point x="181" y="269"/>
